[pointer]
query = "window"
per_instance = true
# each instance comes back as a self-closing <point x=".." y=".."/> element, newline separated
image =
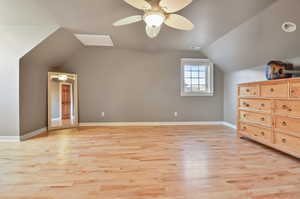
<point x="196" y="77"/>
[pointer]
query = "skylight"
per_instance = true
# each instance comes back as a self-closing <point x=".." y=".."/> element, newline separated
<point x="94" y="40"/>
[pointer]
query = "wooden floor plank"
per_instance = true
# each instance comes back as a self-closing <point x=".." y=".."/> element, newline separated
<point x="181" y="162"/>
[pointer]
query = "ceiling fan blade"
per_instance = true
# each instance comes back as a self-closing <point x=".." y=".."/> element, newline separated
<point x="128" y="20"/>
<point x="179" y="22"/>
<point x="139" y="4"/>
<point x="152" y="31"/>
<point x="171" y="6"/>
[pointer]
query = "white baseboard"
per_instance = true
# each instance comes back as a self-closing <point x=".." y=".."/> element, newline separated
<point x="229" y="125"/>
<point x="10" y="139"/>
<point x="94" y="124"/>
<point x="150" y="123"/>
<point x="33" y="134"/>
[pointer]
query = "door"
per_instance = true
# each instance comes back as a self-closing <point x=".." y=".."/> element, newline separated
<point x="66" y="101"/>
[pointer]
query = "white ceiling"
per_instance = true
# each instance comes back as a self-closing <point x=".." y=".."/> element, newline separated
<point x="25" y="12"/>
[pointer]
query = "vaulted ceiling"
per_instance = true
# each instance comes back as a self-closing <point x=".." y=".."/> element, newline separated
<point x="233" y="33"/>
<point x="260" y="39"/>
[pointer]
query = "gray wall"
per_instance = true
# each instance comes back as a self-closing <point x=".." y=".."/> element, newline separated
<point x="231" y="79"/>
<point x="137" y="86"/>
<point x="15" y="41"/>
<point x="34" y="67"/>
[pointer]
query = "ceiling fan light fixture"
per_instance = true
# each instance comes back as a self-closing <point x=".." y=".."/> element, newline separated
<point x="152" y="31"/>
<point x="157" y="12"/>
<point x="154" y="19"/>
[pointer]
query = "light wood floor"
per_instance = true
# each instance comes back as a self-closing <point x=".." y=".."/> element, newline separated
<point x="146" y="163"/>
<point x="59" y="123"/>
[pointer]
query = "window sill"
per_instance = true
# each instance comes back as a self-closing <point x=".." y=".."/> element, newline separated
<point x="197" y="94"/>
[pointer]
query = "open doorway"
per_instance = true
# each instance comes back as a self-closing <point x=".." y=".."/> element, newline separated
<point x="62" y="104"/>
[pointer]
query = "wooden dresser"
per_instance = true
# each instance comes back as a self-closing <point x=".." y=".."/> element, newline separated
<point x="269" y="113"/>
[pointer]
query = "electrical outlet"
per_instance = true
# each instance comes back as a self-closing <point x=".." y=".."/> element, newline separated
<point x="175" y="114"/>
<point x="103" y="114"/>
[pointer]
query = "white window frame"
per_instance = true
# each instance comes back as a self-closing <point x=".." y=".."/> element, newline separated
<point x="210" y="76"/>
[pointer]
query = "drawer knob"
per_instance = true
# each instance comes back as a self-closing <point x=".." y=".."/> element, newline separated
<point x="292" y="91"/>
<point x="247" y="90"/>
<point x="272" y="89"/>
<point x="263" y="133"/>
<point x="284" y="123"/>
<point x="284" y="107"/>
<point x="244" y="115"/>
<point x="262" y="119"/>
<point x="245" y="104"/>
<point x="262" y="105"/>
<point x="283" y="140"/>
<point x="244" y="128"/>
<point x="290" y="110"/>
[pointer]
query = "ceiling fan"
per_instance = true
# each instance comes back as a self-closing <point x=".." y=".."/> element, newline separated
<point x="157" y="12"/>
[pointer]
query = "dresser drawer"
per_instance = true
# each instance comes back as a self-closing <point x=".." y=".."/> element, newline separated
<point x="295" y="89"/>
<point x="248" y="91"/>
<point x="274" y="90"/>
<point x="287" y="108"/>
<point x="256" y="104"/>
<point x="256" y="131"/>
<point x="286" y="124"/>
<point x="290" y="142"/>
<point x="257" y="118"/>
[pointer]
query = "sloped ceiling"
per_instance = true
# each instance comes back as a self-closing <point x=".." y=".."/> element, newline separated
<point x="235" y="34"/>
<point x="212" y="18"/>
<point x="54" y="50"/>
<point x="16" y="41"/>
<point x="260" y="39"/>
